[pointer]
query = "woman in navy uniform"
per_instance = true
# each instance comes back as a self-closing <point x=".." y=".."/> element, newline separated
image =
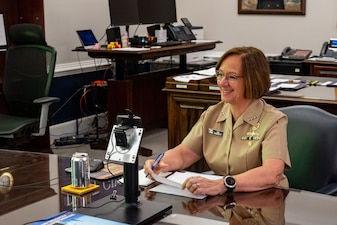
<point x="241" y="138"/>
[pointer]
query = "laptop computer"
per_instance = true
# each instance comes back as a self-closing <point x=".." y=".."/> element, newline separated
<point x="87" y="38"/>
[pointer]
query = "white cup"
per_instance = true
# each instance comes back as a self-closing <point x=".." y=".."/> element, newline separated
<point x="161" y="35"/>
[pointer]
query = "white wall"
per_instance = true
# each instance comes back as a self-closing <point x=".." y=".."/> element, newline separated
<point x="220" y="19"/>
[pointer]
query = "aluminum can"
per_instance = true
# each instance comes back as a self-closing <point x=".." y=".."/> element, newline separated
<point x="80" y="170"/>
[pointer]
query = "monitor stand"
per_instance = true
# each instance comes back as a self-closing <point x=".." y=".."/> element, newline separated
<point x="144" y="212"/>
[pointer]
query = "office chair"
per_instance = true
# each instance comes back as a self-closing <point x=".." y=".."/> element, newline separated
<point x="312" y="143"/>
<point x="29" y="69"/>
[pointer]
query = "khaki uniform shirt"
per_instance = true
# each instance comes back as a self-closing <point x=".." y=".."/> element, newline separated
<point x="259" y="134"/>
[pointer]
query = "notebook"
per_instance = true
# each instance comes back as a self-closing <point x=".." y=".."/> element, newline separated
<point x="87" y="38"/>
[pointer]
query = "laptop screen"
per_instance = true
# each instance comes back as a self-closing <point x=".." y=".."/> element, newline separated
<point x="87" y="38"/>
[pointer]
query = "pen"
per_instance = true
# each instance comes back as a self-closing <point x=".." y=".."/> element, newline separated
<point x="159" y="157"/>
<point x="313" y="82"/>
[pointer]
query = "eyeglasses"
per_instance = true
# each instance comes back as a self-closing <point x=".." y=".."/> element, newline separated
<point x="231" y="77"/>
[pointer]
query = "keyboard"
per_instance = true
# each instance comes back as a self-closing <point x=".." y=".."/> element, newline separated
<point x="167" y="43"/>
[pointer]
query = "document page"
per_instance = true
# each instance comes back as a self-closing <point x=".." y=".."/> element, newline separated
<point x="172" y="184"/>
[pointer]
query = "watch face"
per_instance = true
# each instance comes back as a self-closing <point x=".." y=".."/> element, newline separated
<point x="230" y="182"/>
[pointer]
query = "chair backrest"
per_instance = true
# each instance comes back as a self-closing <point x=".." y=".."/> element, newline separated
<point x="312" y="143"/>
<point x="29" y="69"/>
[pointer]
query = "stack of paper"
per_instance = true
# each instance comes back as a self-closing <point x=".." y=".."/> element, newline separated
<point x="172" y="183"/>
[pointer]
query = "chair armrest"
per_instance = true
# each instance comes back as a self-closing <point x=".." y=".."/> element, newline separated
<point x="44" y="100"/>
<point x="45" y="103"/>
<point x="330" y="189"/>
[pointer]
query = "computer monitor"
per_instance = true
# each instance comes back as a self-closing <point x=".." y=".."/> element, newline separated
<point x="157" y="11"/>
<point x="123" y="13"/>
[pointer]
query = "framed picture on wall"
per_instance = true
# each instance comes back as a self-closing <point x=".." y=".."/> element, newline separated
<point x="3" y="40"/>
<point x="287" y="7"/>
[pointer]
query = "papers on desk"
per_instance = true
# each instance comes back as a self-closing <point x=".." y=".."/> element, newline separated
<point x="187" y="78"/>
<point x="202" y="41"/>
<point x="143" y="180"/>
<point x="196" y="75"/>
<point x="207" y="72"/>
<point x="131" y="49"/>
<point x="323" y="59"/>
<point x="172" y="184"/>
<point x="182" y="219"/>
<point x="287" y="85"/>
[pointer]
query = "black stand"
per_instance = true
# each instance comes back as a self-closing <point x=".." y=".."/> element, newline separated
<point x="131" y="188"/>
<point x="131" y="211"/>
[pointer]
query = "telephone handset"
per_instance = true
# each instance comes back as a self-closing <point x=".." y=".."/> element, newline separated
<point x="329" y="49"/>
<point x="295" y="54"/>
<point x="179" y="33"/>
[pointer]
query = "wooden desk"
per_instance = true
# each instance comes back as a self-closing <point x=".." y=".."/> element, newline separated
<point x="186" y="105"/>
<point x="127" y="60"/>
<point x="142" y="92"/>
<point x="321" y="68"/>
<point x="37" y="195"/>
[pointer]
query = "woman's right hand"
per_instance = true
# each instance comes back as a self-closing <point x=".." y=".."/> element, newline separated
<point x="161" y="167"/>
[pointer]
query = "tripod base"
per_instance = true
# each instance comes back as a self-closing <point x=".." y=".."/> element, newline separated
<point x="145" y="212"/>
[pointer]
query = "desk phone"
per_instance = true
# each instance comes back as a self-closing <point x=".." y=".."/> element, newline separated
<point x="295" y="54"/>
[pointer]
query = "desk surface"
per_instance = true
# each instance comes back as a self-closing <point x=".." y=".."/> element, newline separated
<point x="38" y="178"/>
<point x="148" y="53"/>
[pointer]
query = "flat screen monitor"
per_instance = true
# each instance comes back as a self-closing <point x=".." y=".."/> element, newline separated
<point x="123" y="12"/>
<point x="157" y="11"/>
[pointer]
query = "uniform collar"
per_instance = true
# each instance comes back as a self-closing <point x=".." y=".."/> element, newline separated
<point x="251" y="115"/>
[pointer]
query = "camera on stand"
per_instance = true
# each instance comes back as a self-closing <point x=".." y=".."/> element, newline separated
<point x="123" y="147"/>
<point x="125" y="130"/>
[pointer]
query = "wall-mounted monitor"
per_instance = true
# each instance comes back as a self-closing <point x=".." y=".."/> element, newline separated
<point x="123" y="12"/>
<point x="157" y="11"/>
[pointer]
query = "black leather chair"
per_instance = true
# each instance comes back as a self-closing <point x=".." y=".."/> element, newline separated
<point x="312" y="143"/>
<point x="29" y="70"/>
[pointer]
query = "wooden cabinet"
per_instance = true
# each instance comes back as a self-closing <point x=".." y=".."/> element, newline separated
<point x="185" y="104"/>
<point x="184" y="109"/>
<point x="322" y="69"/>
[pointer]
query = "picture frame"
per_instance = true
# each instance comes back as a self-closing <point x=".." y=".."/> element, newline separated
<point x="276" y="7"/>
<point x="3" y="39"/>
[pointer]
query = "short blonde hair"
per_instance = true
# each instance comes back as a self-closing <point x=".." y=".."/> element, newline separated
<point x="255" y="69"/>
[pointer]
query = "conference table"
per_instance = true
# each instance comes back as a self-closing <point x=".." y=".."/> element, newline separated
<point x="38" y="178"/>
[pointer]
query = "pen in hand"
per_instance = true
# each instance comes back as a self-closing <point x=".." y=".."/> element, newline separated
<point x="159" y="157"/>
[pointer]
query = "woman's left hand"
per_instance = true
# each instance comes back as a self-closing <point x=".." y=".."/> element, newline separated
<point x="200" y="185"/>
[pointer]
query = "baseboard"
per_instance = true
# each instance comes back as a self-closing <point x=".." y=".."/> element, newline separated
<point x="68" y="128"/>
<point x="66" y="69"/>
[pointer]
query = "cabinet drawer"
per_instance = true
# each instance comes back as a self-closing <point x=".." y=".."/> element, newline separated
<point x="323" y="71"/>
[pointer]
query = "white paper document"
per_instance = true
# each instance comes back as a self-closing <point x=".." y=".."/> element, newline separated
<point x="143" y="180"/>
<point x="188" y="77"/>
<point x="172" y="183"/>
<point x="182" y="219"/>
<point x="208" y="72"/>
